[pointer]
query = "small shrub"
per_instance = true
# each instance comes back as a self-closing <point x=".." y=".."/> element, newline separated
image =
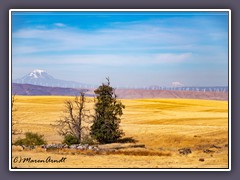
<point x="70" y="139"/>
<point x="31" y="139"/>
<point x="127" y="140"/>
<point x="87" y="140"/>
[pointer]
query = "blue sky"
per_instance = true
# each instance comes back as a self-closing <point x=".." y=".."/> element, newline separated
<point x="132" y="48"/>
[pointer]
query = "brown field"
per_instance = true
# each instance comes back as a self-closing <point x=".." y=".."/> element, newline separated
<point x="163" y="125"/>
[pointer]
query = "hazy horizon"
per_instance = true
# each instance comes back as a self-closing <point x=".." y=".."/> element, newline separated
<point x="174" y="84"/>
<point x="132" y="48"/>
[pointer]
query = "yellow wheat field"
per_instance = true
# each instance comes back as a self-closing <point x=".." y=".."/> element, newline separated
<point x="163" y="125"/>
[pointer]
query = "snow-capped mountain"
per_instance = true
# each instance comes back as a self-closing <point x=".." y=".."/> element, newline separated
<point x="38" y="74"/>
<point x="42" y="78"/>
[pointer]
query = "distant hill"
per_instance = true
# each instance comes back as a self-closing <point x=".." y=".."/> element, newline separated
<point x="28" y="89"/>
<point x="141" y="93"/>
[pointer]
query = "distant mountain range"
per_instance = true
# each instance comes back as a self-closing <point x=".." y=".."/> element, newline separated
<point x="42" y="78"/>
<point x="39" y="82"/>
<point x="29" y="90"/>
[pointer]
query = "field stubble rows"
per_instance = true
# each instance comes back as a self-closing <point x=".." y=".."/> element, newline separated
<point x="163" y="125"/>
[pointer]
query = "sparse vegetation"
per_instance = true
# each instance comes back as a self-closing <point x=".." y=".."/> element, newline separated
<point x="70" y="139"/>
<point x="127" y="140"/>
<point x="88" y="140"/>
<point x="108" y="110"/>
<point x="140" y="153"/>
<point x="31" y="139"/>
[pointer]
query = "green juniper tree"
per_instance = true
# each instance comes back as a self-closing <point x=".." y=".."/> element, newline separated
<point x="105" y="127"/>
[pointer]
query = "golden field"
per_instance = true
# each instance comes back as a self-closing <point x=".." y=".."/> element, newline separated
<point x="163" y="125"/>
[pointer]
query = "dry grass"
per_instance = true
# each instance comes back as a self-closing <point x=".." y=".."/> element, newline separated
<point x="163" y="125"/>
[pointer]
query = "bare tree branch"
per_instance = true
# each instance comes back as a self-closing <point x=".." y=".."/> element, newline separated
<point x="74" y="116"/>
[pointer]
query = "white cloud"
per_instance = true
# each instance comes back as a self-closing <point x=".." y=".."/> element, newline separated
<point x="130" y="38"/>
<point x="59" y="24"/>
<point x="105" y="59"/>
<point x="171" y="58"/>
<point x="24" y="49"/>
<point x="122" y="43"/>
